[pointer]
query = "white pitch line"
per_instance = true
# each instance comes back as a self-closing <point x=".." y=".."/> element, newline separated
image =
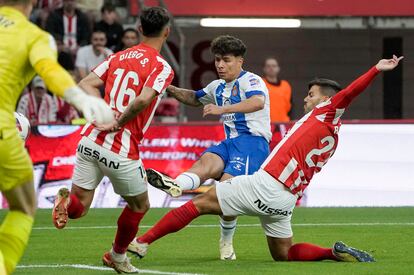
<point x="93" y="267"/>
<point x="241" y="225"/>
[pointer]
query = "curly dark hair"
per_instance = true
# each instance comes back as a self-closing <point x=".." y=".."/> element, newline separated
<point x="153" y="20"/>
<point x="227" y="44"/>
<point x="329" y="87"/>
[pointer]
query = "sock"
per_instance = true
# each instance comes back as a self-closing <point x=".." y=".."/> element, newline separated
<point x="75" y="208"/>
<point x="310" y="252"/>
<point x="14" y="235"/>
<point x="128" y="223"/>
<point x="173" y="221"/>
<point x="227" y="230"/>
<point x="188" y="181"/>
<point x="118" y="257"/>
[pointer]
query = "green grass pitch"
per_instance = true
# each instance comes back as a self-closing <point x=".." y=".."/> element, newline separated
<point x="388" y="233"/>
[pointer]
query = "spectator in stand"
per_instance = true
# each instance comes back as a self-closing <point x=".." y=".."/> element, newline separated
<point x="65" y="58"/>
<point x="130" y="38"/>
<point x="280" y="91"/>
<point x="65" y="113"/>
<point x="90" y="56"/>
<point x="69" y="24"/>
<point x="91" y="8"/>
<point x="37" y="105"/>
<point x="42" y="10"/>
<point x="110" y="26"/>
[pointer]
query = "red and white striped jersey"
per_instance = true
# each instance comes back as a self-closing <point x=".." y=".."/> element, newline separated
<point x="312" y="141"/>
<point x="125" y="74"/>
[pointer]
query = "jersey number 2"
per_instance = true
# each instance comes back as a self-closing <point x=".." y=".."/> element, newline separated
<point x="120" y="89"/>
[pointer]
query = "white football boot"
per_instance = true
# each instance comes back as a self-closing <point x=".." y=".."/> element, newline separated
<point x="137" y="248"/>
<point x="227" y="251"/>
<point x="120" y="267"/>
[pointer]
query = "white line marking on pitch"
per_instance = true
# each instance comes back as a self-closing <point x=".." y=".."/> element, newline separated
<point x="243" y="225"/>
<point x="93" y="267"/>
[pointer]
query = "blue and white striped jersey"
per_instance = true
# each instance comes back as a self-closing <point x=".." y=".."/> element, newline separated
<point x="235" y="124"/>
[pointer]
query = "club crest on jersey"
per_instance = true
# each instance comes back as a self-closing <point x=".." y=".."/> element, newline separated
<point x="234" y="91"/>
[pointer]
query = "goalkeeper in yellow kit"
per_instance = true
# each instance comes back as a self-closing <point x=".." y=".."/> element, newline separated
<point x="26" y="50"/>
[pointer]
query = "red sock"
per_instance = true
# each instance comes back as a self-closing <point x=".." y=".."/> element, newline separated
<point x="75" y="208"/>
<point x="172" y="222"/>
<point x="310" y="252"/>
<point x="127" y="229"/>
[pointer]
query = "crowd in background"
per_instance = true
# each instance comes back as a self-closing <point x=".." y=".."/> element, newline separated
<point x="86" y="33"/>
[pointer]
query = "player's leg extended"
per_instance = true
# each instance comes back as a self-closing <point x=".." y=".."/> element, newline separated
<point x="245" y="155"/>
<point x="210" y="165"/>
<point x="177" y="219"/>
<point x="339" y="252"/>
<point x="16" y="183"/>
<point x="227" y="230"/>
<point x="128" y="223"/>
<point x="86" y="177"/>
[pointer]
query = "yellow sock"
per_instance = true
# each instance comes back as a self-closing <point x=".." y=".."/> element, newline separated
<point x="14" y="235"/>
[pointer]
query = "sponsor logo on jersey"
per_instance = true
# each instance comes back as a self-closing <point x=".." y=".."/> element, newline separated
<point x="89" y="152"/>
<point x="271" y="211"/>
<point x="254" y="82"/>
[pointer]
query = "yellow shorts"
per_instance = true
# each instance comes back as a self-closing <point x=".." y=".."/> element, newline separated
<point x="15" y="164"/>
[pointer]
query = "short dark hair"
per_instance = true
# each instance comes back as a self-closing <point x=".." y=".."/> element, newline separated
<point x="328" y="87"/>
<point x="227" y="44"/>
<point x="153" y="20"/>
<point x="107" y="7"/>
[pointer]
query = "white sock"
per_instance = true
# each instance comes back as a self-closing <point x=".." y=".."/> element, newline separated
<point x="188" y="181"/>
<point x="227" y="230"/>
<point x="119" y="258"/>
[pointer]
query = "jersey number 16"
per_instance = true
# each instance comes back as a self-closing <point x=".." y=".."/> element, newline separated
<point x="120" y="89"/>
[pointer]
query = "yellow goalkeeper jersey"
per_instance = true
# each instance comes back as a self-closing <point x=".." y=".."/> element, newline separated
<point x="22" y="45"/>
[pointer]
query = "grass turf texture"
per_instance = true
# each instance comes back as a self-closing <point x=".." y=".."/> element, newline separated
<point x="195" y="249"/>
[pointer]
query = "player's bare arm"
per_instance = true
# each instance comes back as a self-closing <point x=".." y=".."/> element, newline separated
<point x="253" y="104"/>
<point x="185" y="96"/>
<point x="133" y="109"/>
<point x="91" y="84"/>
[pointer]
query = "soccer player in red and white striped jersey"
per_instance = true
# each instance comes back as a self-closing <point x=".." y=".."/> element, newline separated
<point x="134" y="80"/>
<point x="271" y="193"/>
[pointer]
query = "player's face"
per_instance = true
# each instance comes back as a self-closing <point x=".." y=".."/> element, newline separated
<point x="228" y="66"/>
<point x="314" y="97"/>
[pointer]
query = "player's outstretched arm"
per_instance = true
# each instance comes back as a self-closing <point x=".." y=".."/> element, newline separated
<point x="347" y="95"/>
<point x="138" y="105"/>
<point x="252" y="104"/>
<point x="185" y="96"/>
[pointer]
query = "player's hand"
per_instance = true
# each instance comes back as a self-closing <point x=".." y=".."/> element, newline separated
<point x="109" y="127"/>
<point x="94" y="109"/>
<point x="211" y="109"/>
<point x="388" y="64"/>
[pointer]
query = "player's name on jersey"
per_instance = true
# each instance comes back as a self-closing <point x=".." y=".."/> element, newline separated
<point x="4" y="22"/>
<point x="133" y="55"/>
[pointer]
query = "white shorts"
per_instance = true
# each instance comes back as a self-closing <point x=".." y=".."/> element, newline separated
<point x="93" y="162"/>
<point x="259" y="195"/>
